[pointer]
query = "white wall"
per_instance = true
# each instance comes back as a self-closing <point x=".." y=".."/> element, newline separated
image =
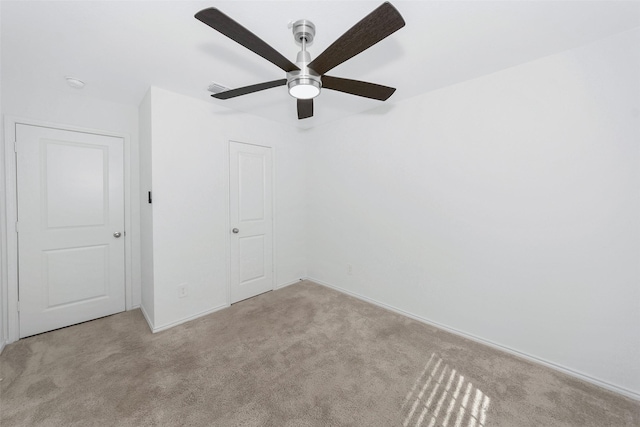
<point x="147" y="303"/>
<point x="506" y="207"/>
<point x="190" y="179"/>
<point x="3" y="229"/>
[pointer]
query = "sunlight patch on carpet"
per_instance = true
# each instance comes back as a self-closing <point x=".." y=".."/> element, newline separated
<point x="442" y="396"/>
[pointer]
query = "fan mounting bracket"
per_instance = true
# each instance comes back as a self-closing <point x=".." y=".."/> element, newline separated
<point x="303" y="29"/>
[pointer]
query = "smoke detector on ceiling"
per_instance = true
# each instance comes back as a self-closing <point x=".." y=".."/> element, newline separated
<point x="74" y="82"/>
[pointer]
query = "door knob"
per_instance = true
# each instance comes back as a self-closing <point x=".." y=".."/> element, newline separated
<point x="117" y="234"/>
<point x="235" y="231"/>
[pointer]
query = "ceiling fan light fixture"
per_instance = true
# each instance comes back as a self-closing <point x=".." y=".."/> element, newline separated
<point x="304" y="88"/>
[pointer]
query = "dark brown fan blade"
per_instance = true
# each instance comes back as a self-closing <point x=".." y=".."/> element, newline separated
<point x="232" y="93"/>
<point x="236" y="32"/>
<point x="356" y="87"/>
<point x="377" y="25"/>
<point x="305" y="108"/>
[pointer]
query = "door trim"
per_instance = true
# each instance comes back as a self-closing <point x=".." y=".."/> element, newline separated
<point x="274" y="209"/>
<point x="8" y="217"/>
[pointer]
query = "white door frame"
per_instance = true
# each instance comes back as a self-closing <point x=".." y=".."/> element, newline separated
<point x="273" y="213"/>
<point x="8" y="218"/>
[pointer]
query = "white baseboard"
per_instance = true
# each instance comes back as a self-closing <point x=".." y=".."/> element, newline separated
<point x="601" y="383"/>
<point x="284" y="285"/>
<point x="187" y="319"/>
<point x="155" y="329"/>
<point x="146" y="317"/>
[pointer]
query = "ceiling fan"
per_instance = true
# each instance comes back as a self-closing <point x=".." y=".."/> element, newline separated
<point x="306" y="78"/>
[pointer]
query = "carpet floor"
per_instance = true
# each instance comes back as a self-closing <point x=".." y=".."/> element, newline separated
<point x="304" y="355"/>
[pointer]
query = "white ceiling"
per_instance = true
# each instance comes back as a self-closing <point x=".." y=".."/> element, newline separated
<point x="120" y="48"/>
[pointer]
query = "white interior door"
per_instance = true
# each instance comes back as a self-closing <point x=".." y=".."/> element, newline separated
<point x="251" y="220"/>
<point x="70" y="227"/>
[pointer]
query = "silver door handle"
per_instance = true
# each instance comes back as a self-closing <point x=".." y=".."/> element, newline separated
<point x="235" y="231"/>
<point x="117" y="234"/>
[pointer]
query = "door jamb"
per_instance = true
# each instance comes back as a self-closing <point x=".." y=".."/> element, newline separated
<point x="8" y="217"/>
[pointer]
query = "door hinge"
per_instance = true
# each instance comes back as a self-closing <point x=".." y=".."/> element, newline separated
<point x="18" y="304"/>
<point x="17" y="228"/>
<point x="15" y="146"/>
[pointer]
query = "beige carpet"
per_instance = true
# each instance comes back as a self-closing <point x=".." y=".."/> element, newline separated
<point x="301" y="356"/>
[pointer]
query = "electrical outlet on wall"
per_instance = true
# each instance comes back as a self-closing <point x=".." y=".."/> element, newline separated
<point x="183" y="291"/>
<point x="350" y="269"/>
